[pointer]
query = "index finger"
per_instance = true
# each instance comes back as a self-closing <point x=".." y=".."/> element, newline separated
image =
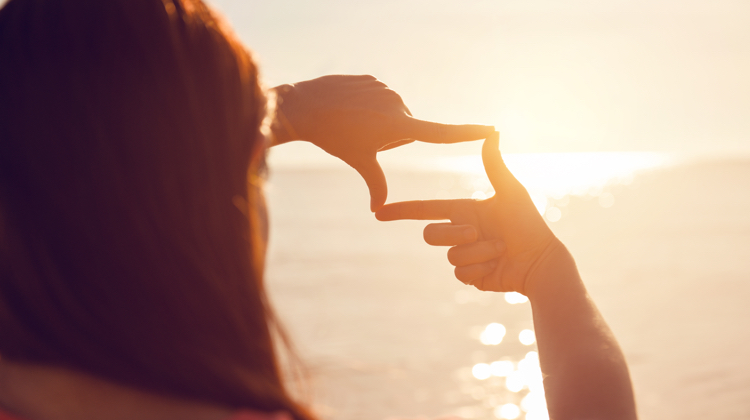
<point x="432" y="132"/>
<point x="417" y="210"/>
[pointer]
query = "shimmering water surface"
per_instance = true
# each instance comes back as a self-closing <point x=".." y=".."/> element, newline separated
<point x="663" y="244"/>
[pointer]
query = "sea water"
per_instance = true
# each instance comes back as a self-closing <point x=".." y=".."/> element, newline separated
<point x="386" y="331"/>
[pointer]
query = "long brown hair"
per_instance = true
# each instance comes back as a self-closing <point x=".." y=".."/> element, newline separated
<point x="129" y="238"/>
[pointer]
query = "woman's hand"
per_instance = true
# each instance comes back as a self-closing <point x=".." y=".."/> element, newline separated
<point x="496" y="243"/>
<point x="503" y="244"/>
<point x="354" y="117"/>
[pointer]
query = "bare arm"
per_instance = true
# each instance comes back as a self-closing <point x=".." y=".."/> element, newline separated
<point x="502" y="244"/>
<point x="586" y="376"/>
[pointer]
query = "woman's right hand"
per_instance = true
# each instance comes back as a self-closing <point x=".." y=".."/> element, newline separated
<point x="503" y="244"/>
<point x="495" y="243"/>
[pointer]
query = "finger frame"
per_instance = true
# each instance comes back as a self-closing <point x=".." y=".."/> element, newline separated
<point x="449" y="234"/>
<point x="421" y="210"/>
<point x="432" y="132"/>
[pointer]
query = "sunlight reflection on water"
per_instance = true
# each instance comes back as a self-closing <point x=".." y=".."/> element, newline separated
<point x="505" y="389"/>
<point x="526" y="337"/>
<point x="507" y="411"/>
<point x="493" y="334"/>
<point x="551" y="178"/>
<point x="560" y="174"/>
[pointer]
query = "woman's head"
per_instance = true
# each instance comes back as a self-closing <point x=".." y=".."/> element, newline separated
<point x="129" y="243"/>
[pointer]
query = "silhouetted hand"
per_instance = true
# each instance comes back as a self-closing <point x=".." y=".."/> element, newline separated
<point x="354" y="117"/>
<point x="497" y="242"/>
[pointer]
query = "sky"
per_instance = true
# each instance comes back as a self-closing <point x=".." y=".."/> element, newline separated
<point x="552" y="76"/>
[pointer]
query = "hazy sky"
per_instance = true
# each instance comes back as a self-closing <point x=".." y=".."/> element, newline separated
<point x="551" y="75"/>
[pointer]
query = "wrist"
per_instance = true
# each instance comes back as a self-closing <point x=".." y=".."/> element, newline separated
<point x="554" y="267"/>
<point x="282" y="128"/>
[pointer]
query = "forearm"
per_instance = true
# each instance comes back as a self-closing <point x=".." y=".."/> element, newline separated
<point x="586" y="376"/>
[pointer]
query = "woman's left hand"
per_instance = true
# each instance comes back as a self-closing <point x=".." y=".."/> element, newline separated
<point x="353" y="118"/>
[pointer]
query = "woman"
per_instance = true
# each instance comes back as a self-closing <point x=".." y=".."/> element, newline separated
<point x="132" y="221"/>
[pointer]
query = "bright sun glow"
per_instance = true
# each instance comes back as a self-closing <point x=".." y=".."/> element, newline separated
<point x="553" y="176"/>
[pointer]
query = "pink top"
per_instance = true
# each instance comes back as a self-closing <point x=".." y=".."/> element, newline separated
<point x="240" y="415"/>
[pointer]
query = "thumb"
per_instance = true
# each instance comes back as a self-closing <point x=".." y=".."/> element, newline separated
<point x="497" y="172"/>
<point x="373" y="175"/>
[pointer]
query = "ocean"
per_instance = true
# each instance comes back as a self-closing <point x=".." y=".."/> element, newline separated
<point x="662" y="242"/>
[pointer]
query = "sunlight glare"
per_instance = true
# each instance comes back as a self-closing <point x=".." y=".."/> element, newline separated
<point x="531" y="375"/>
<point x="501" y="368"/>
<point x="515" y="381"/>
<point x="481" y="371"/>
<point x="507" y="411"/>
<point x="493" y="334"/>
<point x="538" y="414"/>
<point x="559" y="174"/>
<point x="533" y="401"/>
<point x="526" y="337"/>
<point x="515" y="297"/>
